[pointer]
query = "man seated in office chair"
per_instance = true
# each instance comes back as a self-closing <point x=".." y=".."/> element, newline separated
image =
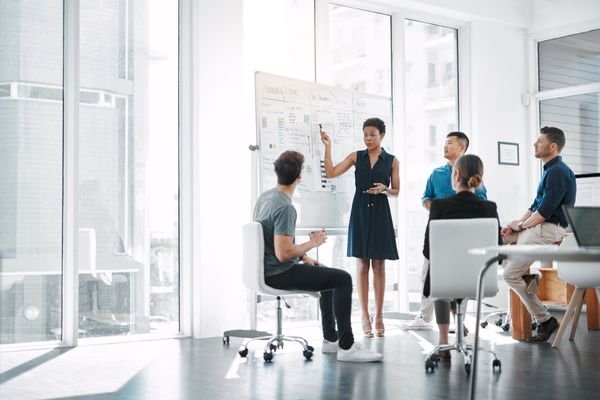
<point x="543" y="223"/>
<point x="287" y="266"/>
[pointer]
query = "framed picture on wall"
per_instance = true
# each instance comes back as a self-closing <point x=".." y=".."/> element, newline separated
<point x="508" y="153"/>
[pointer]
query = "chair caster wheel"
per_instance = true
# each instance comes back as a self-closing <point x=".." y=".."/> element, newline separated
<point x="499" y="322"/>
<point x="307" y="354"/>
<point x="484" y="324"/>
<point x="468" y="368"/>
<point x="243" y="352"/>
<point x="506" y="327"/>
<point x="497" y="363"/>
<point x="429" y="366"/>
<point x="225" y="339"/>
<point x="272" y="347"/>
<point x="268" y="357"/>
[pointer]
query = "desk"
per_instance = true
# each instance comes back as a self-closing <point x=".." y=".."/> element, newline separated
<point x="524" y="253"/>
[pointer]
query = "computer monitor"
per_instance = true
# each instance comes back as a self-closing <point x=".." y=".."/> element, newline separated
<point x="585" y="222"/>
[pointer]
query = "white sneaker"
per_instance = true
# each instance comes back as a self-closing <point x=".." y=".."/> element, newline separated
<point x="358" y="353"/>
<point x="419" y="324"/>
<point x="329" y="347"/>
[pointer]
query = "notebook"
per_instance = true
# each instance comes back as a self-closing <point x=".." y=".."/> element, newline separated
<point x="585" y="223"/>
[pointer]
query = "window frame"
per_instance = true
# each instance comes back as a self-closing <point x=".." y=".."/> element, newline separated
<point x="535" y="96"/>
<point x="187" y="134"/>
<point x="398" y="16"/>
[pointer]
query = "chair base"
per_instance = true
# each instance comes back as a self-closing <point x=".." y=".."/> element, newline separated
<point x="501" y="318"/>
<point x="243" y="333"/>
<point x="275" y="342"/>
<point x="433" y="358"/>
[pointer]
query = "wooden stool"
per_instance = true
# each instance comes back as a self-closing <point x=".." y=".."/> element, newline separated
<point x="574" y="310"/>
<point x="521" y="319"/>
<point x="553" y="292"/>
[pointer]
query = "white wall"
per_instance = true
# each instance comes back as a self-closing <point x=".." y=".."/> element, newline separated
<point x="512" y="12"/>
<point x="498" y="80"/>
<point x="550" y="14"/>
<point x="224" y="173"/>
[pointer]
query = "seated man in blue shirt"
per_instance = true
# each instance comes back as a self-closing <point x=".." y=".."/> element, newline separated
<point x="439" y="186"/>
<point x="543" y="223"/>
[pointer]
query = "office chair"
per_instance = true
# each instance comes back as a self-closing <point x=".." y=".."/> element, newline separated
<point x="582" y="275"/>
<point x="454" y="272"/>
<point x="499" y="316"/>
<point x="501" y="319"/>
<point x="254" y="280"/>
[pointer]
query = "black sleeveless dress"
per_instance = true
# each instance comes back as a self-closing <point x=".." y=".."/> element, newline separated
<point x="371" y="229"/>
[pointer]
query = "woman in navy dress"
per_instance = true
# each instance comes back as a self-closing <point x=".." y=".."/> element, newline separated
<point x="371" y="236"/>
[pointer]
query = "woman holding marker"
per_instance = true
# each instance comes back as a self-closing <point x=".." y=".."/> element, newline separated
<point x="371" y="236"/>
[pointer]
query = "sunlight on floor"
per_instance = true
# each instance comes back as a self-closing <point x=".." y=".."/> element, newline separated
<point x="94" y="369"/>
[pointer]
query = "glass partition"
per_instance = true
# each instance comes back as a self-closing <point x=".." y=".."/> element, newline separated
<point x="431" y="84"/>
<point x="31" y="164"/>
<point x="128" y="168"/>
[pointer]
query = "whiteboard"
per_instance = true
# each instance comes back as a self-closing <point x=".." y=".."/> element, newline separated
<point x="288" y="114"/>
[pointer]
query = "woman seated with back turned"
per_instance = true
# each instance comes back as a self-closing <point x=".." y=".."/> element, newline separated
<point x="467" y="175"/>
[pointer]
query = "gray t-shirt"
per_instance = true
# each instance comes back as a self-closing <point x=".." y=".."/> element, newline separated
<point x="274" y="210"/>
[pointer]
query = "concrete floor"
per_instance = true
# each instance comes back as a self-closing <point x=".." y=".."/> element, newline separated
<point x="207" y="369"/>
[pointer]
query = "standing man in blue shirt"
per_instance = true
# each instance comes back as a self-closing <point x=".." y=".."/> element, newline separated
<point x="439" y="185"/>
<point x="543" y="223"/>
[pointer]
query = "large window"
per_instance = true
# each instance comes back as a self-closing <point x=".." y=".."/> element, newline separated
<point x="31" y="137"/>
<point x="579" y="117"/>
<point x="572" y="64"/>
<point x="360" y="54"/>
<point x="128" y="168"/>
<point x="569" y="61"/>
<point x="431" y="84"/>
<point x="127" y="215"/>
<point x="283" y="46"/>
<point x="360" y="50"/>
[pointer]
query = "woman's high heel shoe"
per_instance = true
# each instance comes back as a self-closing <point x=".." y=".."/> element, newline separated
<point x="366" y="327"/>
<point x="379" y="327"/>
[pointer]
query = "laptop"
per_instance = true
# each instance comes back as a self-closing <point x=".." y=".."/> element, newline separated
<point x="585" y="223"/>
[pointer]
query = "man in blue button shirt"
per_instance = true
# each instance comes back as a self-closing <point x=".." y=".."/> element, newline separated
<point x="439" y="185"/>
<point x="543" y="223"/>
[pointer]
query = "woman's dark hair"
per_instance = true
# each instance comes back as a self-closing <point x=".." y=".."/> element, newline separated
<point x="470" y="170"/>
<point x="288" y="167"/>
<point x="376" y="123"/>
